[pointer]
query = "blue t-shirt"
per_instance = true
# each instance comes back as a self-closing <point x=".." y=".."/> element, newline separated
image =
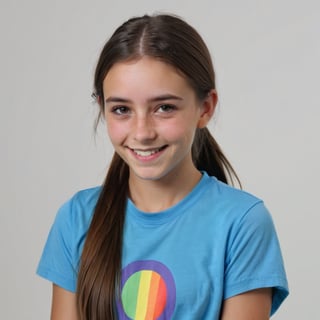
<point x="180" y="263"/>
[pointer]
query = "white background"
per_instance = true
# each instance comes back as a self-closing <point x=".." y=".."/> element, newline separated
<point x="266" y="55"/>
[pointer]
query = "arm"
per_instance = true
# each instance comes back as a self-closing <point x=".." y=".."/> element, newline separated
<point x="63" y="304"/>
<point x="251" y="305"/>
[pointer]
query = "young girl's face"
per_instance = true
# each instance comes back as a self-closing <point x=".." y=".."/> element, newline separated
<point x="152" y="113"/>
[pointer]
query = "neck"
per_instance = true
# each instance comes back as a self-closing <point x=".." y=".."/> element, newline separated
<point x="158" y="195"/>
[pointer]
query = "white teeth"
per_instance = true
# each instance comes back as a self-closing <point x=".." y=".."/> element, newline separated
<point x="145" y="153"/>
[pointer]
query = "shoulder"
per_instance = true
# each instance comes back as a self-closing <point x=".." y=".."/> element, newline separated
<point x="66" y="238"/>
<point x="226" y="197"/>
<point x="227" y="209"/>
<point x="79" y="208"/>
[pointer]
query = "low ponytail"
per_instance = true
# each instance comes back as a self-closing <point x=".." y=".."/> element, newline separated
<point x="100" y="265"/>
<point x="208" y="156"/>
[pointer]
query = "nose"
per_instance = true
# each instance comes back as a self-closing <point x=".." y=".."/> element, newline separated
<point x="144" y="129"/>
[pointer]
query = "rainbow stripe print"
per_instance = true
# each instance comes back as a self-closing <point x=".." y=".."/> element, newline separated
<point x="147" y="292"/>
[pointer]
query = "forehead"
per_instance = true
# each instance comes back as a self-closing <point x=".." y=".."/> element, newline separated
<point x="144" y="73"/>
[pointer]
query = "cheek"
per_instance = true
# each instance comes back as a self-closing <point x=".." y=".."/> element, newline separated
<point x="116" y="131"/>
<point x="180" y="131"/>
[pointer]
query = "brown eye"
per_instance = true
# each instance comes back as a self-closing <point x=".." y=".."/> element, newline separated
<point x="166" y="108"/>
<point x="120" y="110"/>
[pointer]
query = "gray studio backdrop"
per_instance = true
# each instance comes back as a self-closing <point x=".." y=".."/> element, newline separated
<point x="266" y="55"/>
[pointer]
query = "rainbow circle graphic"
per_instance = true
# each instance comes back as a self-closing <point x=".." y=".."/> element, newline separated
<point x="148" y="292"/>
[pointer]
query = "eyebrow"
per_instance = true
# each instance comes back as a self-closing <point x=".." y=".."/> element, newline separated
<point x="162" y="97"/>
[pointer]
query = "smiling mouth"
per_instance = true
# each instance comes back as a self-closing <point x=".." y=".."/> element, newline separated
<point x="147" y="153"/>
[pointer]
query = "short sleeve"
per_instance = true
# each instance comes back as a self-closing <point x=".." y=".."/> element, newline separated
<point x="57" y="263"/>
<point x="254" y="257"/>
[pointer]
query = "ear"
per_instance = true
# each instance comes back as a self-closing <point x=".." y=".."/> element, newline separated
<point x="208" y="106"/>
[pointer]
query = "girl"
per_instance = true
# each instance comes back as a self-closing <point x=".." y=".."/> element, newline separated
<point x="165" y="237"/>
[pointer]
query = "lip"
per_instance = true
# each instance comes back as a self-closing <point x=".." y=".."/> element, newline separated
<point x="149" y="154"/>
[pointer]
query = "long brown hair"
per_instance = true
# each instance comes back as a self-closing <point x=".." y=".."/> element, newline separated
<point x="172" y="40"/>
